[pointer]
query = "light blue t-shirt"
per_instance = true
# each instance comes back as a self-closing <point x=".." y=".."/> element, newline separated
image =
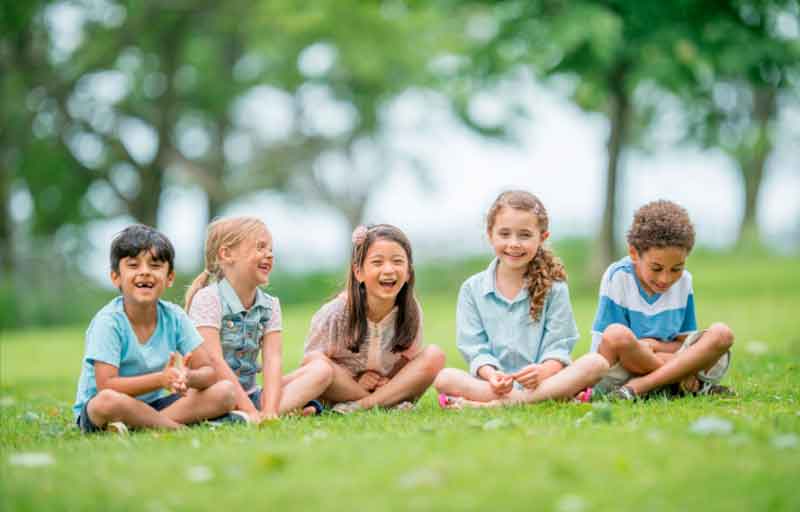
<point x="110" y="339"/>
<point x="493" y="330"/>
<point x="662" y="316"/>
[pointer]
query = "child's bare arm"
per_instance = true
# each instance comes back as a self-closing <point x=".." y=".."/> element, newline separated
<point x="271" y="355"/>
<point x="213" y="349"/>
<point x="107" y="377"/>
<point x="199" y="372"/>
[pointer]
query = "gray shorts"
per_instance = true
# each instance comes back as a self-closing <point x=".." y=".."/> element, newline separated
<point x="618" y="376"/>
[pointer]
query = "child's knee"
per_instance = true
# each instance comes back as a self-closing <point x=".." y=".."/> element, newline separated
<point x="321" y="369"/>
<point x="224" y="393"/>
<point x="107" y="404"/>
<point x="433" y="360"/>
<point x="597" y="365"/>
<point x="316" y="356"/>
<point x="722" y="337"/>
<point x="618" y="336"/>
<point x="444" y="378"/>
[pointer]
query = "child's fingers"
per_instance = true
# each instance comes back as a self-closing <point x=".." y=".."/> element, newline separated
<point x="172" y="357"/>
<point x="187" y="358"/>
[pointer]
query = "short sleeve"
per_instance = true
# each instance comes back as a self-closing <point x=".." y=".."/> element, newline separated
<point x="560" y="330"/>
<point x="275" y="321"/>
<point x="322" y="333"/>
<point x="689" y="318"/>
<point x="188" y="337"/>
<point x="104" y="342"/>
<point x="206" y="309"/>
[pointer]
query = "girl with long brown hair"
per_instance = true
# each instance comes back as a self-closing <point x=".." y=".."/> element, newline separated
<point x="371" y="334"/>
<point x="514" y="321"/>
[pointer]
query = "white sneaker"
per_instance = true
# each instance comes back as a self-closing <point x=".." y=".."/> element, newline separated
<point x="117" y="427"/>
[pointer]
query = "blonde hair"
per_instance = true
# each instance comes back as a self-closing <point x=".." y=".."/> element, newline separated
<point x="545" y="267"/>
<point x="225" y="232"/>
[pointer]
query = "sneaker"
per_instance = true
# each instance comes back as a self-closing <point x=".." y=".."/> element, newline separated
<point x="346" y="408"/>
<point x="403" y="406"/>
<point x="622" y="394"/>
<point x="235" y="416"/>
<point x="117" y="427"/>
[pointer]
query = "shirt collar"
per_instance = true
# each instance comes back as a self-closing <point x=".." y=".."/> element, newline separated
<point x="488" y="284"/>
<point x="232" y="299"/>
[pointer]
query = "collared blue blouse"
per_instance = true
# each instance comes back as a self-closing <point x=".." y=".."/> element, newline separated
<point x="492" y="330"/>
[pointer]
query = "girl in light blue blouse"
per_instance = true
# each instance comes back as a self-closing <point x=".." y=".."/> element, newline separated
<point x="514" y="320"/>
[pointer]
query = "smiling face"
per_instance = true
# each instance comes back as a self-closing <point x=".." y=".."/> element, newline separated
<point x="658" y="268"/>
<point x="142" y="279"/>
<point x="249" y="262"/>
<point x="515" y="237"/>
<point x="384" y="272"/>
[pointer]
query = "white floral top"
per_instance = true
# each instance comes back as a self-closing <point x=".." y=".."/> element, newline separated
<point x="328" y="335"/>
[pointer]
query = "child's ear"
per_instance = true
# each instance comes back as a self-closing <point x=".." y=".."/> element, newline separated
<point x="545" y="235"/>
<point x="359" y="275"/>
<point x="116" y="279"/>
<point x="633" y="253"/>
<point x="170" y="278"/>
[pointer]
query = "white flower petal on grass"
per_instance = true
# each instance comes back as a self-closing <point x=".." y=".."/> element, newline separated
<point x="30" y="416"/>
<point x="571" y="503"/>
<point x="423" y="477"/>
<point x="756" y="347"/>
<point x="199" y="474"/>
<point x="195" y="443"/>
<point x="31" y="459"/>
<point x="711" y="425"/>
<point x="494" y="424"/>
<point x="784" y="441"/>
<point x="7" y="401"/>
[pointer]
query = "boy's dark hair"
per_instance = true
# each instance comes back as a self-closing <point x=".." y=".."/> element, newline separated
<point x="131" y="241"/>
<point x="661" y="224"/>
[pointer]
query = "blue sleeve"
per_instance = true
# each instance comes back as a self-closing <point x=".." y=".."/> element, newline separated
<point x="609" y="312"/>
<point x="104" y="342"/>
<point x="188" y="338"/>
<point x="471" y="338"/>
<point x="689" y="318"/>
<point x="560" y="330"/>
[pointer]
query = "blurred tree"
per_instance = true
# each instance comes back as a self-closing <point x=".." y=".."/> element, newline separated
<point x="753" y="48"/>
<point x="619" y="58"/>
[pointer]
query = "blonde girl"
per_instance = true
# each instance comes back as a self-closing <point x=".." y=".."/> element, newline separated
<point x="371" y="334"/>
<point x="514" y="320"/>
<point x="238" y="322"/>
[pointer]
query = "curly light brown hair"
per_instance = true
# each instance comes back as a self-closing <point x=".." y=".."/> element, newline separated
<point x="661" y="224"/>
<point x="545" y="267"/>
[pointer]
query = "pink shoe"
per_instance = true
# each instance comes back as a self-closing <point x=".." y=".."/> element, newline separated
<point x="443" y="400"/>
<point x="584" y="396"/>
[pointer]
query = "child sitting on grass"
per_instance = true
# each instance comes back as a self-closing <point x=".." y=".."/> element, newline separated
<point x="133" y="346"/>
<point x="514" y="320"/>
<point x="645" y="324"/>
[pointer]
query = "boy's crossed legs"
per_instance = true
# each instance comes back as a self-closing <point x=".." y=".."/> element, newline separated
<point x="565" y="384"/>
<point x="110" y="406"/>
<point x="651" y="370"/>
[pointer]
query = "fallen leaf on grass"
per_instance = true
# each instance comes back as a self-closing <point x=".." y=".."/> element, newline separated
<point x="7" y="401"/>
<point x="756" y="347"/>
<point x="271" y="462"/>
<point x="571" y="503"/>
<point x="711" y="425"/>
<point x="31" y="459"/>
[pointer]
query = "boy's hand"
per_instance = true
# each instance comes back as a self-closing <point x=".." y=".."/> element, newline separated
<point x="501" y="383"/>
<point x="530" y="376"/>
<point x="369" y="380"/>
<point x="173" y="377"/>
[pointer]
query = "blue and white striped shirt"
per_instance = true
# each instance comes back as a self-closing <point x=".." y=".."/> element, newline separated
<point x="662" y="316"/>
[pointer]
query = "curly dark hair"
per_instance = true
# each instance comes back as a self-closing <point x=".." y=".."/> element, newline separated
<point x="661" y="224"/>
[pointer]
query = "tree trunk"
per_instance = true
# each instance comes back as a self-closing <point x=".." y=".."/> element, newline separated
<point x="752" y="159"/>
<point x="619" y="117"/>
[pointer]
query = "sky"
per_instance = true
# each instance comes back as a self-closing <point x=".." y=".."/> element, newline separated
<point x="559" y="155"/>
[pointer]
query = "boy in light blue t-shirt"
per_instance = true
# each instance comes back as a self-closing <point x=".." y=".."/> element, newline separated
<point x="139" y="345"/>
<point x="645" y="324"/>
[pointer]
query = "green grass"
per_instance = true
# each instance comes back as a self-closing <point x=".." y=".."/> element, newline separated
<point x="551" y="456"/>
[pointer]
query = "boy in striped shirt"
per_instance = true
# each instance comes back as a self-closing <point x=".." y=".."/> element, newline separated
<point x="645" y="324"/>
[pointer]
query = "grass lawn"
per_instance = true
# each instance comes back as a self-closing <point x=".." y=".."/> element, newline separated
<point x="739" y="453"/>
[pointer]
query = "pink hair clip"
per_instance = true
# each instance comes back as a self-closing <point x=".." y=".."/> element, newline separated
<point x="359" y="235"/>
